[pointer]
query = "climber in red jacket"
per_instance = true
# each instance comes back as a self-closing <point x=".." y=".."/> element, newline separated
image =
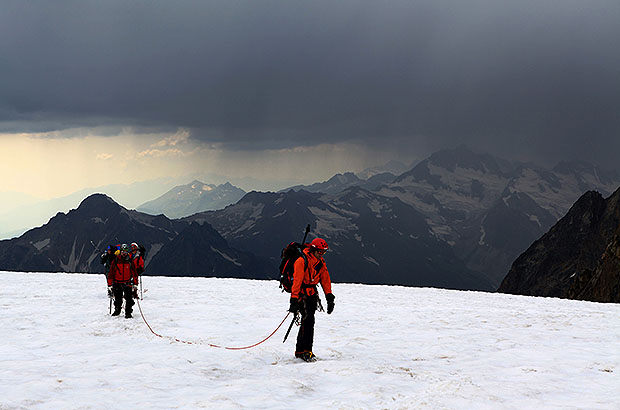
<point x="123" y="280"/>
<point x="305" y="297"/>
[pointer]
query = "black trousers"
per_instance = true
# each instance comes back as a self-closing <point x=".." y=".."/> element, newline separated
<point x="305" y="337"/>
<point x="120" y="290"/>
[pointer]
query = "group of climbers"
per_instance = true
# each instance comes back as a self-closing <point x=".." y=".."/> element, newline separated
<point x="123" y="266"/>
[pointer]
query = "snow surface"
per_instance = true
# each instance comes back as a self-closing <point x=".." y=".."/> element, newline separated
<point x="384" y="347"/>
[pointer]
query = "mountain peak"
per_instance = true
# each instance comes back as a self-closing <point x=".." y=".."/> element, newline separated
<point x="463" y="157"/>
<point x="185" y="200"/>
<point x="198" y="186"/>
<point x="98" y="201"/>
<point x="346" y="178"/>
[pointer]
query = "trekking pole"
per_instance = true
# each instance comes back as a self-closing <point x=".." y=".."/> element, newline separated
<point x="110" y="304"/>
<point x="95" y="246"/>
<point x="291" y="325"/>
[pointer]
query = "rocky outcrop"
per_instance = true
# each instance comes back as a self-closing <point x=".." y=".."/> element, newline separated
<point x="577" y="258"/>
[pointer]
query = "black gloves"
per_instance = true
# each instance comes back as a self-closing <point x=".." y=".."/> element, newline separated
<point x="110" y="292"/>
<point x="294" y="308"/>
<point x="296" y="305"/>
<point x="330" y="302"/>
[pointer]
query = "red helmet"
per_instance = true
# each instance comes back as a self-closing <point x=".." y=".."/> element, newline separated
<point x="319" y="244"/>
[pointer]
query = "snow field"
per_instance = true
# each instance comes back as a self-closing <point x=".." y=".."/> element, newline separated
<point x="384" y="347"/>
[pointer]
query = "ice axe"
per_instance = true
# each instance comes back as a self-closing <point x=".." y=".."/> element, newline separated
<point x="291" y="325"/>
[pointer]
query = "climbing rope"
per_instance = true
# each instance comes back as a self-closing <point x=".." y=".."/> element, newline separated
<point x="209" y="344"/>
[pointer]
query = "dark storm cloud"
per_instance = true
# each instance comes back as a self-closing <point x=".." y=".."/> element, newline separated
<point x="530" y="78"/>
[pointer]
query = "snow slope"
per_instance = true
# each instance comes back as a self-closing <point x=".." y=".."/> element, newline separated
<point x="384" y="347"/>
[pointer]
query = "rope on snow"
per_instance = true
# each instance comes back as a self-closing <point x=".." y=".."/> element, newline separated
<point x="209" y="344"/>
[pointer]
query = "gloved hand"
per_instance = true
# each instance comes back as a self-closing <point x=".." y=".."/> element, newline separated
<point x="330" y="302"/>
<point x="294" y="307"/>
<point x="110" y="293"/>
<point x="134" y="292"/>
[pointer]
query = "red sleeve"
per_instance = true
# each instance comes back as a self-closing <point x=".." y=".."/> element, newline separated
<point x="298" y="277"/>
<point x="134" y="272"/>
<point x="112" y="271"/>
<point x="326" y="282"/>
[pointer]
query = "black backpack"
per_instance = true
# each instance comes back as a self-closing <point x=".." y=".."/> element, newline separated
<point x="289" y="255"/>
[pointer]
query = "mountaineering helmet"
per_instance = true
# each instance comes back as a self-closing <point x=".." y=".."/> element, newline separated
<point x="124" y="248"/>
<point x="319" y="244"/>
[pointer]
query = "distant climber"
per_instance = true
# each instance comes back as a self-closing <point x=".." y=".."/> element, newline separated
<point x="123" y="281"/>
<point x="106" y="258"/>
<point x="137" y="253"/>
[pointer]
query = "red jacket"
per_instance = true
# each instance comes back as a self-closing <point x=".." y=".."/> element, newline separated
<point x="139" y="262"/>
<point x="123" y="271"/>
<point x="306" y="279"/>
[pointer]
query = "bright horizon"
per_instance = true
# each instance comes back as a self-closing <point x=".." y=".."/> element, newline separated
<point x="51" y="167"/>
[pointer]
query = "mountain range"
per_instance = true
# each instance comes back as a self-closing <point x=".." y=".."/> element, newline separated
<point x="457" y="219"/>
<point x="489" y="210"/>
<point x="72" y="242"/>
<point x="372" y="238"/>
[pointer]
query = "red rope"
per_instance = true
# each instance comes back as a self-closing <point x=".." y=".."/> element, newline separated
<point x="210" y="344"/>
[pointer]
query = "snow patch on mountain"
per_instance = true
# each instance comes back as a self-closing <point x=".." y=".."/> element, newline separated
<point x="41" y="244"/>
<point x="152" y="251"/>
<point x="250" y="213"/>
<point x="371" y="260"/>
<point x="329" y="223"/>
<point x="223" y="255"/>
<point x="379" y="207"/>
<point x="73" y="259"/>
<point x="482" y="235"/>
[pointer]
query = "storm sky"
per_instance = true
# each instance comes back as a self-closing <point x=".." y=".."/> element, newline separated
<point x="532" y="80"/>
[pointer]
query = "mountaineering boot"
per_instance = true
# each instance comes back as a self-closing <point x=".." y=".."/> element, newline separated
<point x="116" y="312"/>
<point x="128" y="315"/>
<point x="306" y="356"/>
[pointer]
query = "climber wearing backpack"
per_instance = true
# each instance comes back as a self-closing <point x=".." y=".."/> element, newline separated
<point x="123" y="280"/>
<point x="137" y="255"/>
<point x="309" y="271"/>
